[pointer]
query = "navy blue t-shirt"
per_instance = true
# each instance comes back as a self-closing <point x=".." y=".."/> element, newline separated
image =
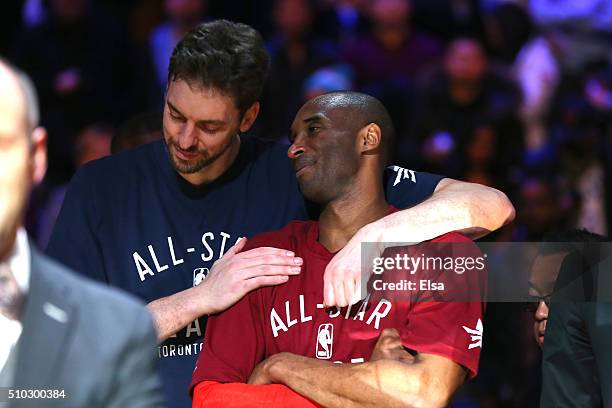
<point x="130" y="220"/>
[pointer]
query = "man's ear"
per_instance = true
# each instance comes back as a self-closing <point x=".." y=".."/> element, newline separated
<point x="39" y="155"/>
<point x="370" y="138"/>
<point x="249" y="117"/>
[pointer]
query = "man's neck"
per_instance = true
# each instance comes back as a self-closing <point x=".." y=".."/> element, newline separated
<point x="216" y="169"/>
<point x="343" y="217"/>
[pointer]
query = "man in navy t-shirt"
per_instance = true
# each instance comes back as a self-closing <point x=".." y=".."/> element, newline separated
<point x="160" y="219"/>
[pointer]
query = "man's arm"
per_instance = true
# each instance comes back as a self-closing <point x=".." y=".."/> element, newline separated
<point x="231" y="277"/>
<point x="394" y="378"/>
<point x="469" y="208"/>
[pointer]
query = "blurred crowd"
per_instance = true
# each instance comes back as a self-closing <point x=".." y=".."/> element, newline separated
<point x="511" y="94"/>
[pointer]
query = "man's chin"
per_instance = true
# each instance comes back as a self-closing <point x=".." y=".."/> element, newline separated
<point x="189" y="166"/>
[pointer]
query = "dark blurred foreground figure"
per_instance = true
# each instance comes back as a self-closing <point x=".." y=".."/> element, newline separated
<point x="84" y="344"/>
<point x="577" y="360"/>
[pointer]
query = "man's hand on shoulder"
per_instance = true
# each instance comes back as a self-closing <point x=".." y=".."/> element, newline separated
<point x="343" y="275"/>
<point x="229" y="280"/>
<point x="237" y="273"/>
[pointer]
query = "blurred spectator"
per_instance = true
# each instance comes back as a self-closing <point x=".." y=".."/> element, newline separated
<point x="576" y="361"/>
<point x="465" y="118"/>
<point x="393" y="49"/>
<point x="137" y="131"/>
<point x="92" y="143"/>
<point x="182" y="16"/>
<point x="328" y="79"/>
<point x="544" y="207"/>
<point x="295" y="54"/>
<point x="552" y="252"/>
<point x="507" y="28"/>
<point x="581" y="30"/>
<point x="80" y="64"/>
<point x="389" y="60"/>
<point x="342" y="20"/>
<point x="447" y="19"/>
<point x="537" y="72"/>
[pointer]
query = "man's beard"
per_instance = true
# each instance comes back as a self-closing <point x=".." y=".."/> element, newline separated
<point x="190" y="167"/>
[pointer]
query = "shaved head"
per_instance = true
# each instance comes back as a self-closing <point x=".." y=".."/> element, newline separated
<point x="359" y="110"/>
<point x="22" y="151"/>
<point x="17" y="90"/>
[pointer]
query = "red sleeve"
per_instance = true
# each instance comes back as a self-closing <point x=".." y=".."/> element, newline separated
<point x="233" y="344"/>
<point x="448" y="322"/>
<point x="214" y="395"/>
<point x="234" y="341"/>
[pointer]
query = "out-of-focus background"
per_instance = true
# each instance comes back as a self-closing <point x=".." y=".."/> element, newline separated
<point x="511" y="94"/>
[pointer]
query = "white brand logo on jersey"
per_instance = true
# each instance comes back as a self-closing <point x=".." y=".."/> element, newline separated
<point x="198" y="275"/>
<point x="403" y="173"/>
<point x="325" y="339"/>
<point x="476" y="335"/>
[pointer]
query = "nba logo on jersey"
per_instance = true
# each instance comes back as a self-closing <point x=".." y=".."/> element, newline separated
<point x="198" y="275"/>
<point x="325" y="339"/>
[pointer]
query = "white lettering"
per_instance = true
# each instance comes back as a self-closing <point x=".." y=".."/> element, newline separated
<point x="376" y="313"/>
<point x="171" y="247"/>
<point x="288" y="314"/>
<point x="225" y="237"/>
<point x="303" y="317"/>
<point x="157" y="266"/>
<point x="208" y="257"/>
<point x="141" y="265"/>
<point x="194" y="327"/>
<point x="276" y="323"/>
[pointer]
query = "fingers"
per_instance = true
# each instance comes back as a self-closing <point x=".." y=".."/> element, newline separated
<point x="237" y="247"/>
<point x="270" y="270"/>
<point x="258" y="282"/>
<point x="264" y="251"/>
<point x="329" y="299"/>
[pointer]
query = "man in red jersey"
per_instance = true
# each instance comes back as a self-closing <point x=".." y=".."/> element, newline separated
<point x="415" y="349"/>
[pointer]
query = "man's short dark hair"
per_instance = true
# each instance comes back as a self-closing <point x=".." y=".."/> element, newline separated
<point x="226" y="56"/>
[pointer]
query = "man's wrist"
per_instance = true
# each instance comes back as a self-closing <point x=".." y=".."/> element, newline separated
<point x="274" y="367"/>
<point x="374" y="233"/>
<point x="198" y="301"/>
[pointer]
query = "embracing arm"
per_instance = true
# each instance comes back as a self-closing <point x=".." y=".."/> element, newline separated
<point x="469" y="208"/>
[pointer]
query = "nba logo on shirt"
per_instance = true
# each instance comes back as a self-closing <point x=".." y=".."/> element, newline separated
<point x="325" y="339"/>
<point x="198" y="275"/>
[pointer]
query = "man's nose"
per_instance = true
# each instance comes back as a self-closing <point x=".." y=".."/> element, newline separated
<point x="295" y="151"/>
<point x="188" y="136"/>
<point x="541" y="312"/>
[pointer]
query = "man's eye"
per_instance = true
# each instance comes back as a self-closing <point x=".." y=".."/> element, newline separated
<point x="210" y="131"/>
<point x="177" y="117"/>
<point x="313" y="129"/>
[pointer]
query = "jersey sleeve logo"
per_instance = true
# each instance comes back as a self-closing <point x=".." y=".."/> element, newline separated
<point x="402" y="173"/>
<point x="476" y="335"/>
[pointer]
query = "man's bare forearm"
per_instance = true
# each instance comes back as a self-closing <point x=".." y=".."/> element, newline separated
<point x="172" y="313"/>
<point x="372" y="384"/>
<point x="469" y="208"/>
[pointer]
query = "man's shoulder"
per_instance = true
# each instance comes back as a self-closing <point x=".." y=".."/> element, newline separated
<point x="285" y="238"/>
<point x="123" y="163"/>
